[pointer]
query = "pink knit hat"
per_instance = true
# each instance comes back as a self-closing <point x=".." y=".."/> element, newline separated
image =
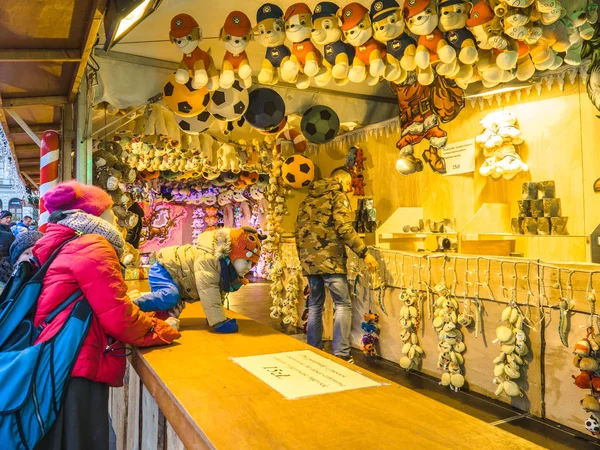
<point x="74" y="195"/>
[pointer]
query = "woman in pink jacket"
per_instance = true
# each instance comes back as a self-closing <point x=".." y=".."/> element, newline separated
<point x="90" y="263"/>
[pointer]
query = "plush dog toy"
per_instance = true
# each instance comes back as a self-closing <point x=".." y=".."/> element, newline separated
<point x="579" y="17"/>
<point x="186" y="34"/>
<point x="305" y="61"/>
<point x="271" y="34"/>
<point x="236" y="34"/>
<point x="422" y="19"/>
<point x="453" y="22"/>
<point x="389" y="26"/>
<point x="337" y="54"/>
<point x="369" y="54"/>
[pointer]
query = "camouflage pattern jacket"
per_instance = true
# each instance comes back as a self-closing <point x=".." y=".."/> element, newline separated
<point x="324" y="228"/>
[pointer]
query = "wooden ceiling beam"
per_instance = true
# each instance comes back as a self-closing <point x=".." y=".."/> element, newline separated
<point x="37" y="128"/>
<point x="49" y="100"/>
<point x="40" y="55"/>
<point x="95" y="20"/>
<point x="29" y="162"/>
<point x="27" y="147"/>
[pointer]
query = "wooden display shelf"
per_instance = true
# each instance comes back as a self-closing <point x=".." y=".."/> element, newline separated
<point x="411" y="235"/>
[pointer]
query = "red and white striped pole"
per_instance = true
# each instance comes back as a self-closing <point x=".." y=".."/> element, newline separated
<point x="48" y="171"/>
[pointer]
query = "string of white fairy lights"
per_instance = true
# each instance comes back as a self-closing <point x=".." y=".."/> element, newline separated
<point x="10" y="168"/>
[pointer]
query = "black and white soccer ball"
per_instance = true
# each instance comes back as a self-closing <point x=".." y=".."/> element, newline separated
<point x="266" y="109"/>
<point x="592" y="425"/>
<point x="195" y="125"/>
<point x="183" y="99"/>
<point x="320" y="124"/>
<point x="229" y="104"/>
<point x="298" y="171"/>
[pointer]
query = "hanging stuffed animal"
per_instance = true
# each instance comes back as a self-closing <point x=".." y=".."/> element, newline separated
<point x="236" y="34"/>
<point x="305" y="61"/>
<point x="579" y="17"/>
<point x="422" y="19"/>
<point x="409" y="323"/>
<point x="453" y="22"/>
<point x="368" y="63"/>
<point x="337" y="54"/>
<point x="370" y="326"/>
<point x="271" y="34"/>
<point x="389" y="28"/>
<point x="228" y="158"/>
<point x="186" y="34"/>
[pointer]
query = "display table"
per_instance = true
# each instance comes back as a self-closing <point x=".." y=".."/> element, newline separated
<point x="211" y="402"/>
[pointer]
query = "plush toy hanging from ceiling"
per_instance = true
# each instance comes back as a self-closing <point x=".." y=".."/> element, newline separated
<point x="271" y="34"/>
<point x="422" y="19"/>
<point x="369" y="56"/>
<point x="421" y="110"/>
<point x="592" y="48"/>
<point x="186" y="34"/>
<point x="389" y="26"/>
<point x="305" y="61"/>
<point x="236" y="34"/>
<point x="337" y="54"/>
<point x="580" y="16"/>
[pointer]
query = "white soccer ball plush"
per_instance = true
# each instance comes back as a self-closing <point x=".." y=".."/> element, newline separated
<point x="195" y="125"/>
<point x="229" y="104"/>
<point x="592" y="425"/>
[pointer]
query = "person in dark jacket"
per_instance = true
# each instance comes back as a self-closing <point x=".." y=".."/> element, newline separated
<point x="6" y="234"/>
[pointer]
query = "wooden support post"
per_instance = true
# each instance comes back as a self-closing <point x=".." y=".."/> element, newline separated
<point x="83" y="149"/>
<point x="68" y="143"/>
<point x="24" y="126"/>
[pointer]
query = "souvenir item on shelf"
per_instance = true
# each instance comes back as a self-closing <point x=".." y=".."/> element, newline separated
<point x="271" y="34"/>
<point x="547" y="189"/>
<point x="186" y="34"/>
<point x="451" y="345"/>
<point x="539" y="215"/>
<point x="236" y="34"/>
<point x="266" y="109"/>
<point x="184" y="100"/>
<point x="355" y="164"/>
<point x="410" y="319"/>
<point x="389" y="28"/>
<point x="422" y="19"/>
<point x="298" y="171"/>
<point x="370" y="338"/>
<point x="320" y="124"/>
<point x="337" y="54"/>
<point x="368" y="63"/>
<point x="305" y="60"/>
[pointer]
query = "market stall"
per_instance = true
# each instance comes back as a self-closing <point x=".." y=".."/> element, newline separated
<point x="471" y="144"/>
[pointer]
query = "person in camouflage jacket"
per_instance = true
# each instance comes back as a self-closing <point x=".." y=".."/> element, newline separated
<point x="323" y="230"/>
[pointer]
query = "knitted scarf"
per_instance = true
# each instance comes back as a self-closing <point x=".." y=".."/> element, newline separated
<point x="88" y="224"/>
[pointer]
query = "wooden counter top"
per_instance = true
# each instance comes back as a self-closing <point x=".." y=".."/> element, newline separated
<point x="211" y="402"/>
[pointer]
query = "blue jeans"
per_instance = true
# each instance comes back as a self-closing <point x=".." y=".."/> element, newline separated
<point x="338" y="287"/>
<point x="165" y="292"/>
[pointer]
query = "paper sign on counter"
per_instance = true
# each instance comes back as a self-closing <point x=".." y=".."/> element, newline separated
<point x="460" y="157"/>
<point x="303" y="373"/>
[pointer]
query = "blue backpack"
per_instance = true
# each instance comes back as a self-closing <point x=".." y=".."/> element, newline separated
<point x="34" y="378"/>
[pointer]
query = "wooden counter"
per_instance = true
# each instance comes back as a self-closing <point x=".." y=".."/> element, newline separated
<point x="211" y="402"/>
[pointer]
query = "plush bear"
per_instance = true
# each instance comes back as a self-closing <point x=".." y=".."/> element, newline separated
<point x="389" y="28"/>
<point x="186" y="34"/>
<point x="236" y="34"/>
<point x="228" y="158"/>
<point x="305" y="61"/>
<point x="579" y="17"/>
<point x="337" y="54"/>
<point x="453" y="22"/>
<point x="369" y="55"/>
<point x="271" y="34"/>
<point x="422" y="19"/>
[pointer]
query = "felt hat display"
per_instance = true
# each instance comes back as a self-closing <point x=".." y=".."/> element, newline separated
<point x="381" y="9"/>
<point x="266" y="109"/>
<point x="352" y="14"/>
<point x="325" y="9"/>
<point x="22" y="242"/>
<point x="245" y="244"/>
<point x="73" y="195"/>
<point x="320" y="124"/>
<point x="298" y="171"/>
<point x="268" y="11"/>
<point x="183" y="99"/>
<point x="237" y="24"/>
<point x="182" y="25"/>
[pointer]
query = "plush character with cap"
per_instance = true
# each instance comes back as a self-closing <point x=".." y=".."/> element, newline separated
<point x="369" y="56"/>
<point x="271" y="34"/>
<point x="236" y="34"/>
<point x="305" y="61"/>
<point x="453" y="22"/>
<point x="337" y="54"/>
<point x="422" y="19"/>
<point x="207" y="271"/>
<point x="186" y="34"/>
<point x="389" y="28"/>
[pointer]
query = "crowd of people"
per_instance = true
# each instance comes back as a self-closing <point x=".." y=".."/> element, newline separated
<point x="11" y="246"/>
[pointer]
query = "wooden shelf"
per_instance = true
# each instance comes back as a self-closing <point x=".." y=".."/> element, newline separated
<point x="510" y="236"/>
<point x="418" y="235"/>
